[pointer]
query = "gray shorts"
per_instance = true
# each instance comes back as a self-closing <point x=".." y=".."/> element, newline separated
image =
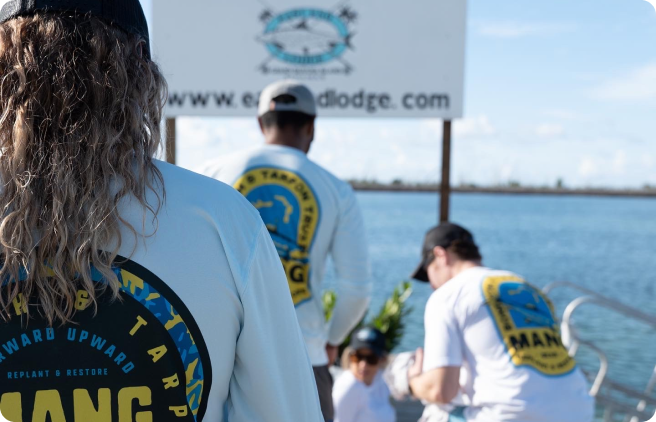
<point x="325" y="389"/>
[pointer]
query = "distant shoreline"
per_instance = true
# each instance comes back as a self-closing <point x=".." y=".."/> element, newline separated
<point x="507" y="190"/>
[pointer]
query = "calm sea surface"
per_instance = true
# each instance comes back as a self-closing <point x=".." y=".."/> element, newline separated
<point x="605" y="244"/>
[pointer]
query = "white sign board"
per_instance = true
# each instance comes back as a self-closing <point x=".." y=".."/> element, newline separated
<point x="361" y="58"/>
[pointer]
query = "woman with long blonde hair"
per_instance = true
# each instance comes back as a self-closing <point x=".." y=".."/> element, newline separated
<point x="130" y="289"/>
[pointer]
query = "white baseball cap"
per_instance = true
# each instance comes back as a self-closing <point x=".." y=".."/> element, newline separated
<point x="299" y="98"/>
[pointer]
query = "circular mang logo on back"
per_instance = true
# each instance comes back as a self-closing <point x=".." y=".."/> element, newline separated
<point x="140" y="358"/>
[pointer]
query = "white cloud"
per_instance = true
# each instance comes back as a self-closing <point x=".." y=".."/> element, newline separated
<point x="637" y="85"/>
<point x="619" y="161"/>
<point x="401" y="159"/>
<point x="549" y="130"/>
<point x="198" y="133"/>
<point x="562" y="114"/>
<point x="474" y="127"/>
<point x="588" y="167"/>
<point x="410" y="150"/>
<point x="507" y="171"/>
<point x="469" y="127"/>
<point x="605" y="168"/>
<point x="518" y="29"/>
<point x="204" y="139"/>
<point x="399" y="153"/>
<point x="325" y="158"/>
<point x="385" y="133"/>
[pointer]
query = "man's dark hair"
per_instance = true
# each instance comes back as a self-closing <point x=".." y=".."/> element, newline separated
<point x="283" y="119"/>
<point x="465" y="250"/>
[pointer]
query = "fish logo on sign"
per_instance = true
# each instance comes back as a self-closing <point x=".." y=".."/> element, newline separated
<point x="309" y="42"/>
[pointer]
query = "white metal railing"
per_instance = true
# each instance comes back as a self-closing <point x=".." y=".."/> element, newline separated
<point x="602" y="387"/>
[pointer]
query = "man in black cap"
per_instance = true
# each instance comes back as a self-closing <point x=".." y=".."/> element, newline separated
<point x="444" y="236"/>
<point x="492" y="347"/>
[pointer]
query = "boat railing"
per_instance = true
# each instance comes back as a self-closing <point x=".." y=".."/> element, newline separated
<point x="603" y="388"/>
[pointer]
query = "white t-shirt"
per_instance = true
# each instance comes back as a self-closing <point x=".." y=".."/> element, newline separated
<point x="310" y="214"/>
<point x="205" y="330"/>
<point x="503" y="333"/>
<point x="357" y="402"/>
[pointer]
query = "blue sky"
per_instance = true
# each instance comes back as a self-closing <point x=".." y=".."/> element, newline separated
<point x="553" y="89"/>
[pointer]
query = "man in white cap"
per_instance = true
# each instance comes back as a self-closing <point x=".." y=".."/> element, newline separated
<point x="310" y="214"/>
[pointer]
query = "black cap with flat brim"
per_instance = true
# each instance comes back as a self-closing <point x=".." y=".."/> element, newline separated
<point x="443" y="235"/>
<point x="420" y="273"/>
<point x="369" y="338"/>
<point x="125" y="14"/>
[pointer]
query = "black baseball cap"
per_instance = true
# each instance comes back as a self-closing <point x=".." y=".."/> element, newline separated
<point x="443" y="235"/>
<point x="369" y="338"/>
<point x="125" y="14"/>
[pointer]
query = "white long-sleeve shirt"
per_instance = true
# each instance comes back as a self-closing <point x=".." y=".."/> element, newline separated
<point x="310" y="214"/>
<point x="204" y="331"/>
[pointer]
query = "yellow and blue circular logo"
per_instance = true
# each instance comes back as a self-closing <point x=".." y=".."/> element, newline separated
<point x="140" y="358"/>
<point x="291" y="212"/>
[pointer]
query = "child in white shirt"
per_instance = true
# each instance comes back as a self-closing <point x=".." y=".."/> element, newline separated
<point x="360" y="393"/>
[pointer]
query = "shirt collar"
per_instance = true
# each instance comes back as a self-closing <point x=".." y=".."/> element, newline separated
<point x="284" y="149"/>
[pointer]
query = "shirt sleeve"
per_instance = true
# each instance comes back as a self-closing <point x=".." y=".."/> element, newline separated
<point x="347" y="401"/>
<point x="443" y="338"/>
<point x="351" y="259"/>
<point x="272" y="378"/>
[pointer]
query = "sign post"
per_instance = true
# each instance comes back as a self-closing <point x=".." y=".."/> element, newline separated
<point x="445" y="186"/>
<point x="170" y="140"/>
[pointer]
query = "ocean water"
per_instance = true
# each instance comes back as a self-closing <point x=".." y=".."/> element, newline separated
<point x="605" y="244"/>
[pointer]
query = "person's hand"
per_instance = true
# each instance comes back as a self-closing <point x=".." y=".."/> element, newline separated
<point x="418" y="365"/>
<point x="331" y="351"/>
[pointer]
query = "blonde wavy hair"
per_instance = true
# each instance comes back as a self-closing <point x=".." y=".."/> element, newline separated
<point x="81" y="105"/>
